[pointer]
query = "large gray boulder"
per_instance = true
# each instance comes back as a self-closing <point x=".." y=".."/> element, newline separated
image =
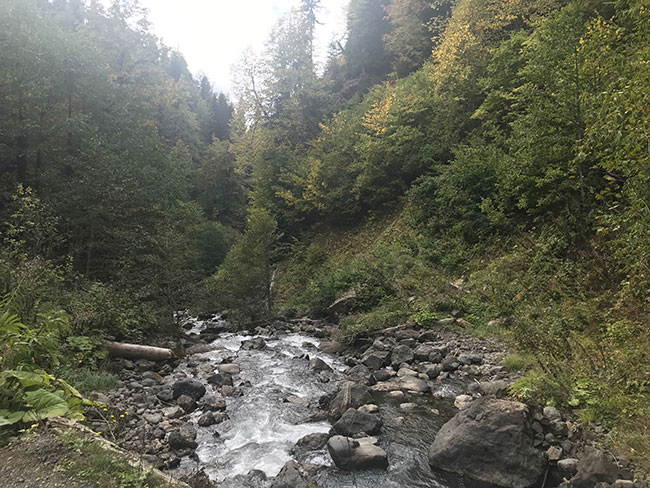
<point x="490" y="444"/>
<point x="356" y="454"/>
<point x="351" y="395"/>
<point x="354" y="422"/>
<point x="291" y="477"/>
<point x="190" y="387"/>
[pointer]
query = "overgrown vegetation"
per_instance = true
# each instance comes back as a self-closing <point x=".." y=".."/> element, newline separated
<point x="483" y="158"/>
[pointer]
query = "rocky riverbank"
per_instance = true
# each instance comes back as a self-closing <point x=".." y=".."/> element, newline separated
<point x="400" y="378"/>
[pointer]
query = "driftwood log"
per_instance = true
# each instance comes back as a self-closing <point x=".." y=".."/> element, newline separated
<point x="136" y="351"/>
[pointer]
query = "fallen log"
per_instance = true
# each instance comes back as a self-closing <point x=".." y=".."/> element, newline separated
<point x="136" y="351"/>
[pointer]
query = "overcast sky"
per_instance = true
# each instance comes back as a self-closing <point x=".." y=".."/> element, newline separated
<point x="212" y="34"/>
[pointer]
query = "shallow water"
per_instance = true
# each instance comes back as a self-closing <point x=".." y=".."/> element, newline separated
<point x="264" y="425"/>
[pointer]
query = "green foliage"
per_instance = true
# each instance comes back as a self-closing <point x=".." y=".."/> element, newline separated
<point x="243" y="282"/>
<point x="27" y="396"/>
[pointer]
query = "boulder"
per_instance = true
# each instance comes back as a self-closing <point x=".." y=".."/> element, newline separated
<point x="594" y="467"/>
<point x="189" y="387"/>
<point x="290" y="476"/>
<point x="184" y="438"/>
<point x="351" y="395"/>
<point x="401" y="354"/>
<point x="376" y="359"/>
<point x="352" y="454"/>
<point x="360" y="374"/>
<point x="490" y="442"/>
<point x="214" y="403"/>
<point x="450" y="363"/>
<point x="317" y="364"/>
<point x="311" y="442"/>
<point x="354" y="422"/>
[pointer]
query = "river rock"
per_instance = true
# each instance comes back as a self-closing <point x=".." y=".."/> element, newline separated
<point x="317" y="364"/>
<point x="413" y="384"/>
<point x="152" y="418"/>
<point x="290" y="476"/>
<point x="450" y="363"/>
<point x="187" y="403"/>
<point x="490" y="442"/>
<point x="351" y="395"/>
<point x="463" y="401"/>
<point x="230" y="369"/>
<point x="383" y="375"/>
<point x="256" y="344"/>
<point x="177" y="440"/>
<point x="401" y="354"/>
<point x="594" y="467"/>
<point x="361" y="374"/>
<point x="220" y="379"/>
<point x="498" y="388"/>
<point x="375" y="360"/>
<point x="206" y="420"/>
<point x="173" y="412"/>
<point x="214" y="403"/>
<point x="354" y="422"/>
<point x="189" y="387"/>
<point x="349" y="454"/>
<point x="311" y="442"/>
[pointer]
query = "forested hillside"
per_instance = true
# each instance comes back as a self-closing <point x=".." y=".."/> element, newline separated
<point x="489" y="158"/>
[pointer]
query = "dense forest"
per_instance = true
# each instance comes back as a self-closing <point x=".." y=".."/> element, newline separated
<point x="489" y="158"/>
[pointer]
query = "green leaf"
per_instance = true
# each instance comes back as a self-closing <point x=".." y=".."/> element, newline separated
<point x="45" y="405"/>
<point x="27" y="379"/>
<point x="8" y="417"/>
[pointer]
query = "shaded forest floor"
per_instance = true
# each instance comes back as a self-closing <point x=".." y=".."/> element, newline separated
<point x="61" y="455"/>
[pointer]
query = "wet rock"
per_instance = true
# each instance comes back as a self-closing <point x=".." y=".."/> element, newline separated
<point x="290" y="476"/>
<point x="401" y="354"/>
<point x="206" y="420"/>
<point x="311" y="442"/>
<point x="182" y="440"/>
<point x="351" y="395"/>
<point x="317" y="364"/>
<point x="490" y="442"/>
<point x="230" y="369"/>
<point x="595" y="466"/>
<point x="431" y="370"/>
<point x="253" y="479"/>
<point x="189" y="387"/>
<point x="214" y="403"/>
<point x="330" y="347"/>
<point x="354" y="422"/>
<point x="220" y="379"/>
<point x="254" y="344"/>
<point x="350" y="454"/>
<point x="187" y="403"/>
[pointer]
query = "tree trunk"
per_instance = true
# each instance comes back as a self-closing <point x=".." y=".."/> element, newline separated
<point x="136" y="351"/>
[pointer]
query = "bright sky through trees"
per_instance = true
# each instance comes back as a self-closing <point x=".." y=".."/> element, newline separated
<point x="212" y="34"/>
